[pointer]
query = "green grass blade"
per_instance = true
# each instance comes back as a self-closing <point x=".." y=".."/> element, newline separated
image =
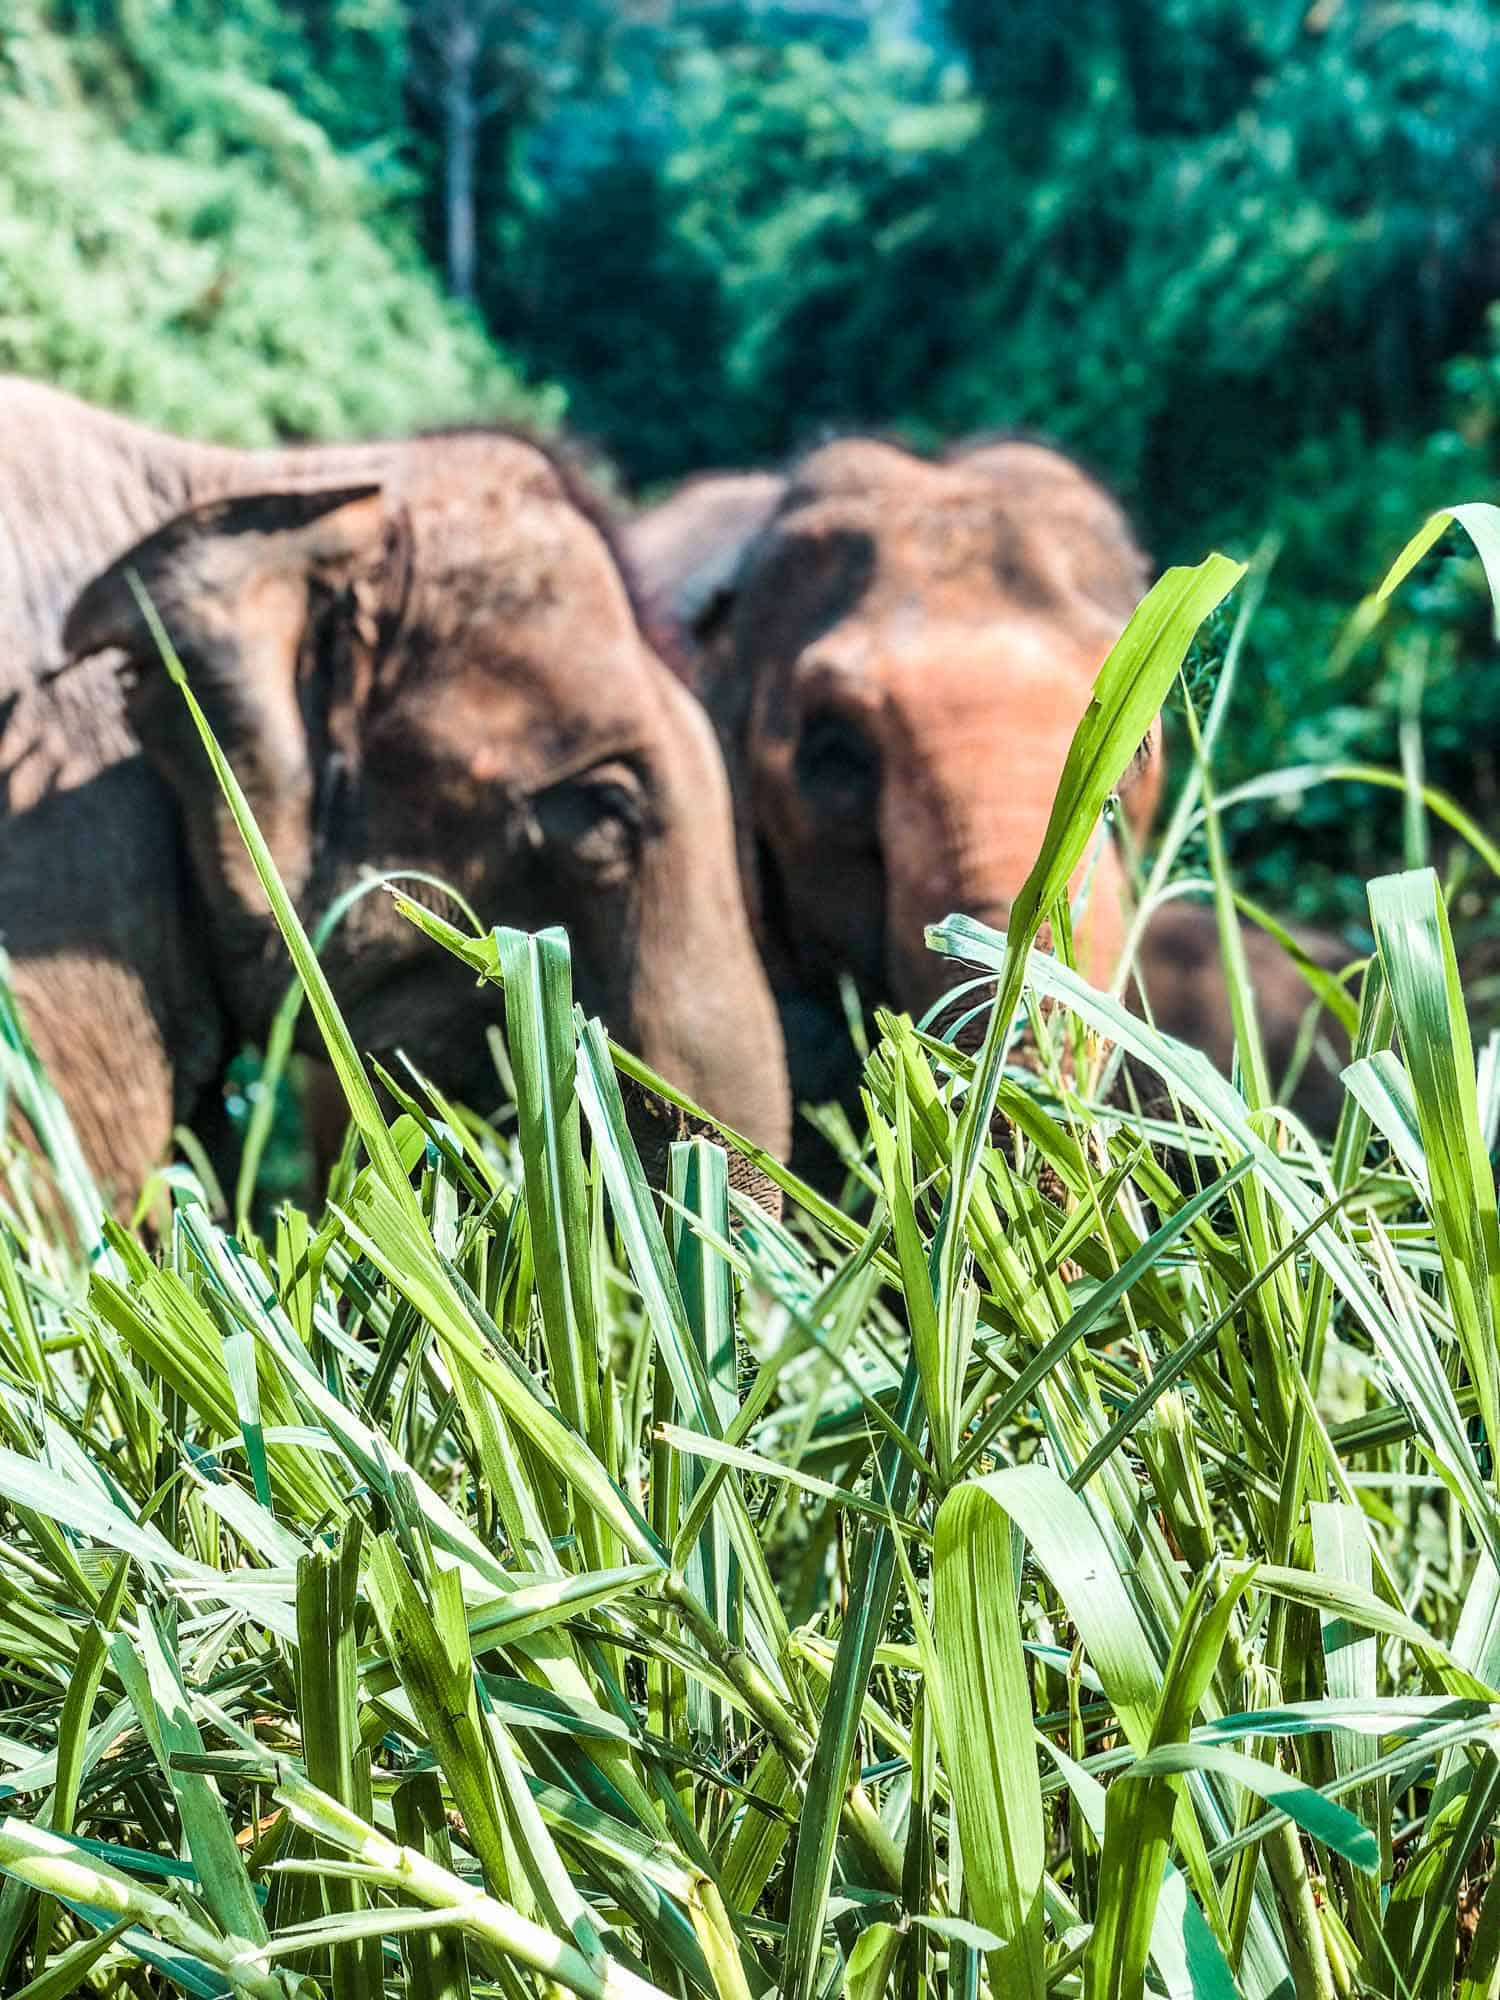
<point x="1321" y="1817"/>
<point x="699" y="1184"/>
<point x="436" y="1967"/>
<point x="984" y="1725"/>
<point x="48" y="1863"/>
<point x="1128" y="694"/>
<point x="1138" y="1820"/>
<point x="427" y="1644"/>
<point x="1416" y="952"/>
<point x="327" y="1702"/>
<point x="822" y="1812"/>
<point x="537" y="971"/>
<point x="1479" y="520"/>
<point x="152" y="1676"/>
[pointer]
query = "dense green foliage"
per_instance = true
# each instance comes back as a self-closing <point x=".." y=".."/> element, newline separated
<point x="1079" y="1576"/>
<point x="1240" y="259"/>
<point x="184" y="240"/>
<point x="1177" y="235"/>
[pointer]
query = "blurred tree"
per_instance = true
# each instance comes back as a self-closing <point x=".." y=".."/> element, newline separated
<point x="1215" y="223"/>
<point x="701" y="260"/>
<point x="475" y="63"/>
<point x="1172" y="233"/>
<point x="632" y="315"/>
<point x="481" y="75"/>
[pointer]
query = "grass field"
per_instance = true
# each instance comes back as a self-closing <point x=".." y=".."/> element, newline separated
<point x="1080" y="1573"/>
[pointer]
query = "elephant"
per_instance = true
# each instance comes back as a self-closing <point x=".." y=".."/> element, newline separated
<point x="420" y="654"/>
<point x="896" y="652"/>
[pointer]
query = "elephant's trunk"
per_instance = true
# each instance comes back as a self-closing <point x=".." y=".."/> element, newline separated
<point x="707" y="1023"/>
<point x="968" y="790"/>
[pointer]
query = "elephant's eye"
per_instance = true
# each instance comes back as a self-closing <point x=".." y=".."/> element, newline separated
<point x="838" y="767"/>
<point x="594" y="821"/>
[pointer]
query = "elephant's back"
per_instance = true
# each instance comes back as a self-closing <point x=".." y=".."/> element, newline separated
<point x="77" y="485"/>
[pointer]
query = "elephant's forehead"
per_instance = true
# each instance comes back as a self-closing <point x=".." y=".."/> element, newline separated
<point x="1039" y="675"/>
<point x="523" y="557"/>
<point x="521" y="710"/>
<point x="517" y="604"/>
<point x="909" y="655"/>
<point x="901" y="617"/>
<point x="469" y="470"/>
<point x="962" y="548"/>
<point x="495" y="527"/>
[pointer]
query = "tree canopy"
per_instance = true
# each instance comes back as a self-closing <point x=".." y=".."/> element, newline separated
<point x="1240" y="259"/>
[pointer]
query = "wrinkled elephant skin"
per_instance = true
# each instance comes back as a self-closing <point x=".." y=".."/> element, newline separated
<point x="416" y="655"/>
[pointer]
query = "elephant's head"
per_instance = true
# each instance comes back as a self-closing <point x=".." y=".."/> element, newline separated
<point x="442" y="670"/>
<point x="897" y="656"/>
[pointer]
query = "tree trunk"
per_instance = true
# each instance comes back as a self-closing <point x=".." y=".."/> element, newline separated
<point x="461" y="119"/>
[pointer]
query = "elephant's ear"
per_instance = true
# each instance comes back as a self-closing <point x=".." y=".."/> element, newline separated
<point x="241" y="587"/>
<point x="688" y="557"/>
<point x="210" y="573"/>
<point x="688" y="552"/>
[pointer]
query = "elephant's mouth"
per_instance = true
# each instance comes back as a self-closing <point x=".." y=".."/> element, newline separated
<point x="811" y="972"/>
<point x="430" y="1018"/>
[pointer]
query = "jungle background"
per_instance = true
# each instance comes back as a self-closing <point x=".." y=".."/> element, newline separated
<point x="1241" y="259"/>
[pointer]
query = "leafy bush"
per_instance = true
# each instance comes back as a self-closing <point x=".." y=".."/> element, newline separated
<point x="188" y="247"/>
<point x="1305" y="700"/>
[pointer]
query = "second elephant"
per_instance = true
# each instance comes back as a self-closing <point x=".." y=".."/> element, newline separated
<point x="896" y="653"/>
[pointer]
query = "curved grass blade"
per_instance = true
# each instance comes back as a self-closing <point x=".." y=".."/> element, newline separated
<point x="1416" y="951"/>
<point x="1479" y="520"/>
<point x="872" y="1583"/>
<point x="1321" y="1817"/>
<point x="1128" y="694"/>
<point x="1138" y="1821"/>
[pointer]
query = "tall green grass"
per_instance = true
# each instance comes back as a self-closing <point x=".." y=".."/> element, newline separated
<point x="1075" y="1572"/>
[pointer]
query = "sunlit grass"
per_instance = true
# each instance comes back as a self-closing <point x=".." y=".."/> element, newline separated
<point x="1076" y="1571"/>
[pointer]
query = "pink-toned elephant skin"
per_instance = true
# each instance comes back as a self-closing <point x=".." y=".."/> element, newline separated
<point x="896" y="653"/>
